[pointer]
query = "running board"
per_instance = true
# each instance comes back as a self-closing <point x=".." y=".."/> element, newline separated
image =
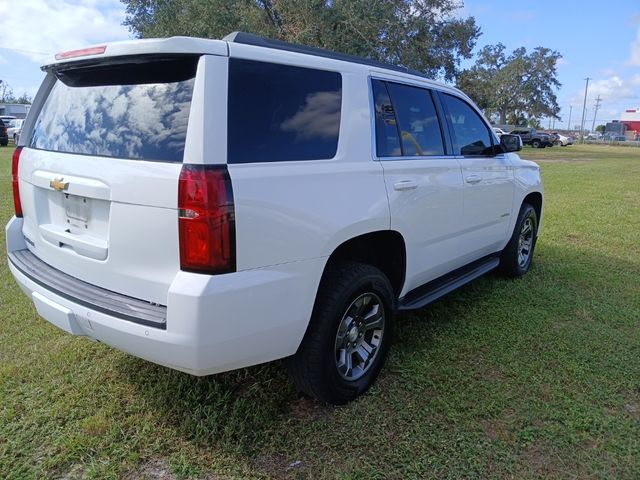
<point x="432" y="291"/>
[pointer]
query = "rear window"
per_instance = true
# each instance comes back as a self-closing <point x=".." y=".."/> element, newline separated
<point x="282" y="113"/>
<point x="135" y="110"/>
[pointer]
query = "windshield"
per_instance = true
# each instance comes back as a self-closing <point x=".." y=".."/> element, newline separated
<point x="133" y="111"/>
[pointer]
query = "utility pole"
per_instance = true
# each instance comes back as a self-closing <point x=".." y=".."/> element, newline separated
<point x="570" y="112"/>
<point x="595" y="114"/>
<point x="584" y="110"/>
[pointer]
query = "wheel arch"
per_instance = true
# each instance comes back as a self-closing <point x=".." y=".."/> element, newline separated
<point x="383" y="249"/>
<point x="535" y="200"/>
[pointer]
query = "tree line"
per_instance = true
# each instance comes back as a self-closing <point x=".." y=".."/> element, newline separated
<point x="7" y="96"/>
<point x="430" y="36"/>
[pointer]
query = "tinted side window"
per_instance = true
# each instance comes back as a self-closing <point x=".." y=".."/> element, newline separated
<point x="387" y="136"/>
<point x="280" y="113"/>
<point x="419" y="126"/>
<point x="471" y="135"/>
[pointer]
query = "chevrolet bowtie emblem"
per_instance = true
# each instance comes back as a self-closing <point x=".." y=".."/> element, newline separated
<point x="59" y="184"/>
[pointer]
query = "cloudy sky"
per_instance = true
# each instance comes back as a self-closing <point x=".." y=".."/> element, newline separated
<point x="598" y="39"/>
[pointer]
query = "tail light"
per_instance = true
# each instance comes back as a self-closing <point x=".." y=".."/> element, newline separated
<point x="206" y="219"/>
<point x="15" y="160"/>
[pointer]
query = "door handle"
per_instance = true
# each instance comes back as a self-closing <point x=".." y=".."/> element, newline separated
<point x="405" y="185"/>
<point x="473" y="179"/>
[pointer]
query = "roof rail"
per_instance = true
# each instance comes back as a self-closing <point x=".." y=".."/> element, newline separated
<point x="255" y="40"/>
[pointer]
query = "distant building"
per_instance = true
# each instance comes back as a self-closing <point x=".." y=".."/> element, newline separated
<point x="631" y="119"/>
<point x="17" y="110"/>
<point x="615" y="128"/>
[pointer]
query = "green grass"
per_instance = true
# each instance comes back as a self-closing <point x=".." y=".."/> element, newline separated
<point x="538" y="377"/>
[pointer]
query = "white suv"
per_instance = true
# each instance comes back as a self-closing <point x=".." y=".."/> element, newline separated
<point x="213" y="204"/>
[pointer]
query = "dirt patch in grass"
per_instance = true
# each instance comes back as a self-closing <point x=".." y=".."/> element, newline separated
<point x="307" y="409"/>
<point x="155" y="469"/>
<point x="497" y="430"/>
<point x="542" y="460"/>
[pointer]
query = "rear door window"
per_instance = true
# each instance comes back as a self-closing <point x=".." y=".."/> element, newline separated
<point x="133" y="110"/>
<point x="280" y="113"/>
<point x="418" y="121"/>
<point x="407" y="123"/>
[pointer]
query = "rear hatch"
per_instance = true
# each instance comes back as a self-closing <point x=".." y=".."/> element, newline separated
<point x="99" y="172"/>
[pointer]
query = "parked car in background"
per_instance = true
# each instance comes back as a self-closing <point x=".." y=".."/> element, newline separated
<point x="14" y="128"/>
<point x="594" y="136"/>
<point x="530" y="136"/>
<point x="498" y="131"/>
<point x="563" y="140"/>
<point x="553" y="137"/>
<point x="4" y="135"/>
<point x="6" y="119"/>
<point x="274" y="217"/>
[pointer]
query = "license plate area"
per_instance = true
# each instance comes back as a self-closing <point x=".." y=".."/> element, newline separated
<point x="77" y="211"/>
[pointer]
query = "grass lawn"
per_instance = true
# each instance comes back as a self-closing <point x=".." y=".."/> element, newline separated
<point x="538" y="377"/>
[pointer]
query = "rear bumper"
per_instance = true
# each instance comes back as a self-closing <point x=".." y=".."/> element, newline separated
<point x="213" y="323"/>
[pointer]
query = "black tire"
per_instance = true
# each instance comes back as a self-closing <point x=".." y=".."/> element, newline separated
<point x="314" y="367"/>
<point x="536" y="144"/>
<point x="511" y="264"/>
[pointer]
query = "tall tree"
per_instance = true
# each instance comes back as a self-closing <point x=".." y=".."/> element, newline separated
<point x="515" y="85"/>
<point x="425" y="35"/>
<point x="7" y="96"/>
<point x="6" y="92"/>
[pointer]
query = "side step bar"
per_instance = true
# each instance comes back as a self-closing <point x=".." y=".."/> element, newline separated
<point x="432" y="291"/>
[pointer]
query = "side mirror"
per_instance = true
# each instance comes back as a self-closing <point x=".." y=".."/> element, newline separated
<point x="510" y="143"/>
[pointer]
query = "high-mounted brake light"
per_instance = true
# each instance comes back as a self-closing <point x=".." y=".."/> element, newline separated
<point x="206" y="219"/>
<point x="83" y="52"/>
<point x="15" y="161"/>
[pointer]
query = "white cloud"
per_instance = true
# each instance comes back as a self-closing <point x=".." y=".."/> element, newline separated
<point x="38" y="28"/>
<point x="610" y="89"/>
<point x="635" y="80"/>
